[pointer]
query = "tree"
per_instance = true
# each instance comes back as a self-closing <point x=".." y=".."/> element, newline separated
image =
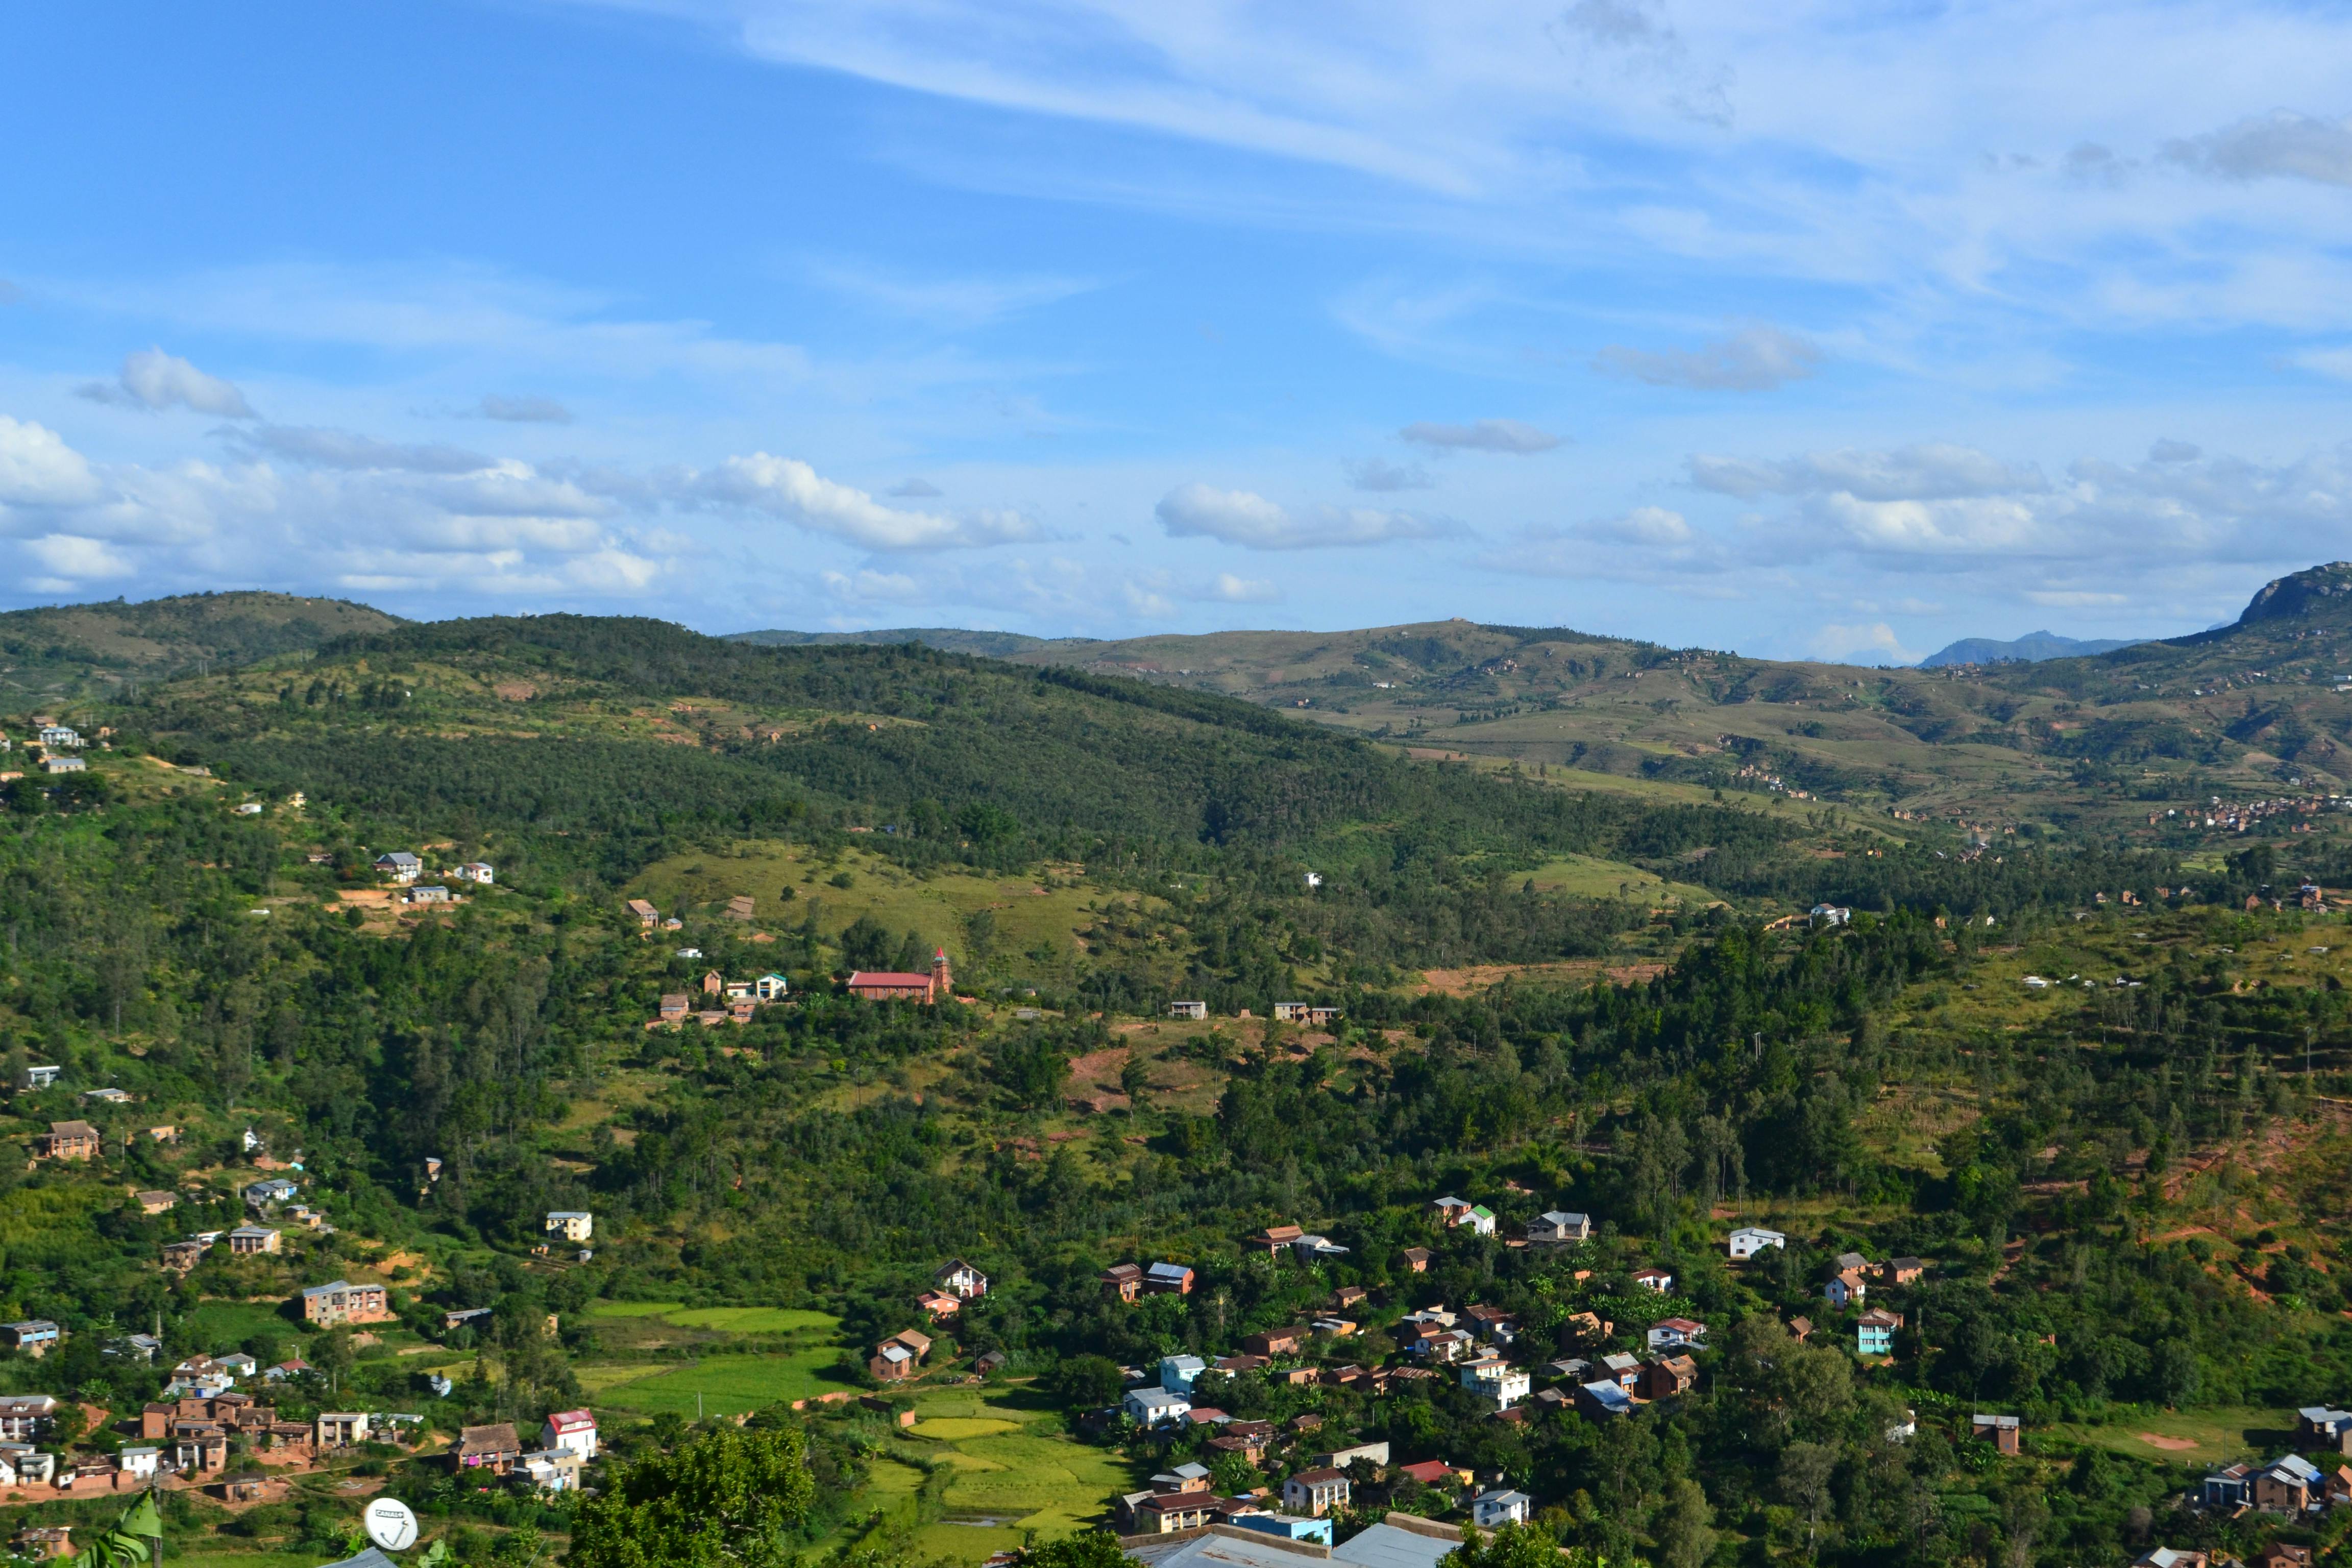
<point x="1507" y="1546"/>
<point x="1094" y="1549"/>
<point x="727" y="1500"/>
<point x="1231" y="1475"/>
<point x="331" y="1354"/>
<point x="1087" y="1382"/>
<point x="1805" y="1469"/>
<point x="1685" y="1526"/>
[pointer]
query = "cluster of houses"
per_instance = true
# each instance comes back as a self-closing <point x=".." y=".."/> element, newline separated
<point x="567" y="1442"/>
<point x="1302" y="1512"/>
<point x="2291" y="1484"/>
<point x="402" y="869"/>
<point x="723" y="1001"/>
<point x="901" y="1356"/>
<point x="58" y="745"/>
<point x="1312" y="1014"/>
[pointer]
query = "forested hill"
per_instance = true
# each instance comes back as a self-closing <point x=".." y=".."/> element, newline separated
<point x="66" y="651"/>
<point x="951" y="639"/>
<point x="585" y="745"/>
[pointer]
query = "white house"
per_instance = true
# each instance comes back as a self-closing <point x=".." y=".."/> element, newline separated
<point x="771" y="987"/>
<point x="1493" y="1507"/>
<point x="139" y="1462"/>
<point x="1156" y="1407"/>
<point x="400" y="866"/>
<point x="1497" y="1380"/>
<point x="572" y="1224"/>
<point x="1751" y="1239"/>
<point x="1557" y="1226"/>
<point x="1668" y="1333"/>
<point x="1846" y="1289"/>
<point x="1177" y="1372"/>
<point x="570" y="1432"/>
<point x="60" y="735"/>
<point x="1831" y="915"/>
<point x="477" y="872"/>
<point x="1654" y="1278"/>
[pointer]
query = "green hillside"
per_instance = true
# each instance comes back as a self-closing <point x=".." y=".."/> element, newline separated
<point x="2095" y="1086"/>
<point x="74" y="651"/>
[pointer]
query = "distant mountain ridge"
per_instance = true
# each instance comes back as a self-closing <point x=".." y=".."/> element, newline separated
<point x="2031" y="648"/>
<point x="947" y="639"/>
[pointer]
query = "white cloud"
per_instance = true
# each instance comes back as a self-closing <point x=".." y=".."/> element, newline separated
<point x="789" y="488"/>
<point x="1377" y="475"/>
<point x="1753" y="359"/>
<point x="524" y="410"/>
<point x="1647" y="544"/>
<point x="1227" y="589"/>
<point x="1932" y="471"/>
<point x="154" y="380"/>
<point x="1240" y="517"/>
<point x="915" y="490"/>
<point x="1947" y="508"/>
<point x="1845" y="645"/>
<point x="75" y="558"/>
<point x="2282" y="144"/>
<point x="1485" y="436"/>
<point x="38" y="469"/>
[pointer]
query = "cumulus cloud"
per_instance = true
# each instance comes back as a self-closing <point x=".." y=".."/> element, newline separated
<point x="38" y="469"/>
<point x="915" y="490"/>
<point x="1941" y="508"/>
<point x="1847" y="645"/>
<point x="154" y="380"/>
<point x="1485" y="436"/>
<point x="1240" y="517"/>
<point x="1754" y="358"/>
<point x="2282" y="144"/>
<point x="524" y="410"/>
<point x="789" y="488"/>
<point x="72" y="556"/>
<point x="1376" y="475"/>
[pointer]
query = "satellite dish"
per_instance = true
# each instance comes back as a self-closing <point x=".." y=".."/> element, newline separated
<point x="390" y="1524"/>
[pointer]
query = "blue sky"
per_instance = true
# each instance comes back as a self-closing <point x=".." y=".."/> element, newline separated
<point x="1828" y="329"/>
